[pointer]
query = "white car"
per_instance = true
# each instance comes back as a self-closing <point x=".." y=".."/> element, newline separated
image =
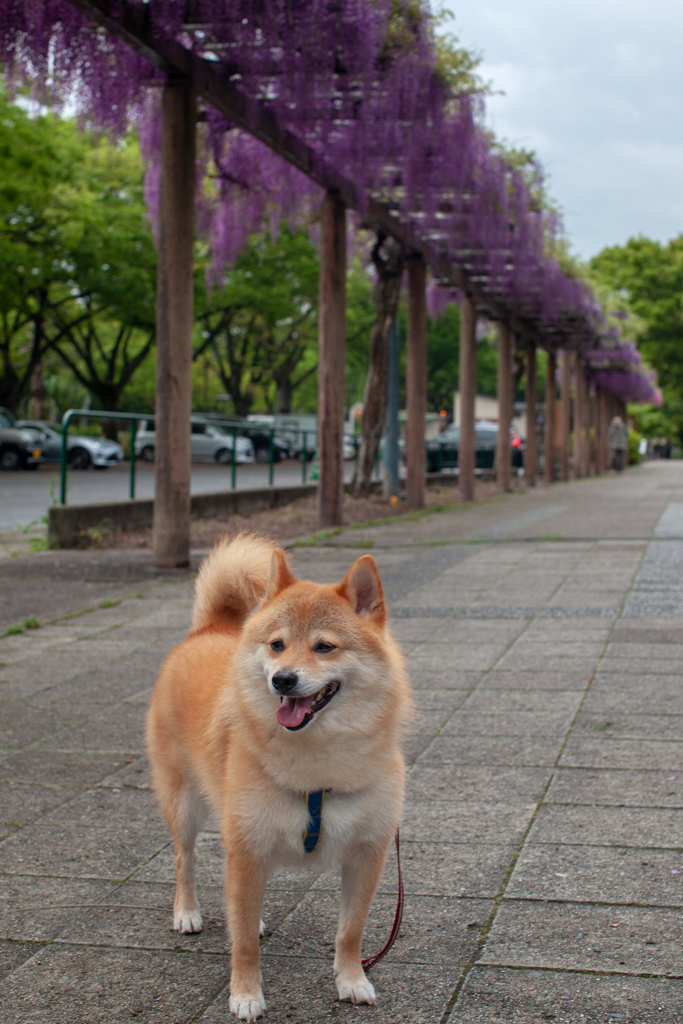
<point x="210" y="443"/>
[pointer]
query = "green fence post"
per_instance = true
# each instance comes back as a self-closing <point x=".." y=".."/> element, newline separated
<point x="62" y="477"/>
<point x="133" y="425"/>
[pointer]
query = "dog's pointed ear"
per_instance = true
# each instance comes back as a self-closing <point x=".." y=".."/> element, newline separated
<point x="280" y="577"/>
<point x="363" y="589"/>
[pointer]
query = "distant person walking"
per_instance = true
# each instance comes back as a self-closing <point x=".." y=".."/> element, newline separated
<point x="617" y="442"/>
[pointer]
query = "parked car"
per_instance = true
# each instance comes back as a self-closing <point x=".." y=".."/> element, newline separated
<point x="260" y="438"/>
<point x="350" y="447"/>
<point x="82" y="451"/>
<point x="209" y="443"/>
<point x="20" y="448"/>
<point x="442" y="451"/>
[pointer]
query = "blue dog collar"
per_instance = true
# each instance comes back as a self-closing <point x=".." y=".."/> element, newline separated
<point x="314" y="803"/>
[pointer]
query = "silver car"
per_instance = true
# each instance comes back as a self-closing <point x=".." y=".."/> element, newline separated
<point x="83" y="451"/>
<point x="210" y="442"/>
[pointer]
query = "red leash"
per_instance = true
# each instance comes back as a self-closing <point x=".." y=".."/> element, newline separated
<point x="369" y="962"/>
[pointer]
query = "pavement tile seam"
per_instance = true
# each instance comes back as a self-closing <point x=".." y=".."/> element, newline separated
<point x="523" y="901"/>
<point x="585" y="971"/>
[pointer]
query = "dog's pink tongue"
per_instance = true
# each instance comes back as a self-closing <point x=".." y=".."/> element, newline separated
<point x="293" y="710"/>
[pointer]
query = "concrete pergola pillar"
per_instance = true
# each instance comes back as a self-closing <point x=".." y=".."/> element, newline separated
<point x="416" y="381"/>
<point x="332" y="361"/>
<point x="550" y="426"/>
<point x="468" y="391"/>
<point x="531" y="453"/>
<point x="505" y="398"/>
<point x="174" y="313"/>
<point x="566" y="414"/>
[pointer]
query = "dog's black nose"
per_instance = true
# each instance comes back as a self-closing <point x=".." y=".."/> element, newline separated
<point x="284" y="681"/>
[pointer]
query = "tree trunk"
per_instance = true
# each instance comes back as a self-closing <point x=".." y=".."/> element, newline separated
<point x="284" y="397"/>
<point x="38" y="393"/>
<point x="388" y="258"/>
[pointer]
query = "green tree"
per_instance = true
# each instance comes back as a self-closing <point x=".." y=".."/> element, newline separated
<point x="443" y="358"/>
<point x="77" y="263"/>
<point x="107" y="330"/>
<point x="36" y="158"/>
<point x="258" y="327"/>
<point x="648" y="276"/>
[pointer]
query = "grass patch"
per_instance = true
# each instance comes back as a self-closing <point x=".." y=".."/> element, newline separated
<point x="318" y="538"/>
<point x="109" y="604"/>
<point x="32" y="623"/>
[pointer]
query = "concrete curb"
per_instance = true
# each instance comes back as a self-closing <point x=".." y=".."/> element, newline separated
<point x="67" y="524"/>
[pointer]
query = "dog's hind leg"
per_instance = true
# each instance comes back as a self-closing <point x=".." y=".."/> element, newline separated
<point x="183" y="809"/>
<point x="361" y="873"/>
<point x="186" y="913"/>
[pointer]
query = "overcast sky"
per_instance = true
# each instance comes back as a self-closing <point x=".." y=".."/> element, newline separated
<point x="595" y="87"/>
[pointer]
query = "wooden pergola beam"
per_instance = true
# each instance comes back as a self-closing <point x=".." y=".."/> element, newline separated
<point x="468" y="389"/>
<point x="565" y="413"/>
<point x="131" y="22"/>
<point x="174" y="321"/>
<point x="332" y="361"/>
<point x="505" y="401"/>
<point x="416" y="382"/>
<point x="550" y="426"/>
<point x="531" y="453"/>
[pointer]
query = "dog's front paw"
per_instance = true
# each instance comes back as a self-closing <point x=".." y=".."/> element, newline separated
<point x="355" y="988"/>
<point x="187" y="921"/>
<point x="248" y="1007"/>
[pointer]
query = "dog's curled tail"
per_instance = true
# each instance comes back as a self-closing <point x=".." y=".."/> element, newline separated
<point x="231" y="581"/>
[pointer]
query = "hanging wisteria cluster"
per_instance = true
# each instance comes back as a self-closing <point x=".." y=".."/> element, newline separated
<point x="357" y="81"/>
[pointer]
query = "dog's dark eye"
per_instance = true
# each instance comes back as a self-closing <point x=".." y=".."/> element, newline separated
<point x="277" y="645"/>
<point x="324" y="648"/>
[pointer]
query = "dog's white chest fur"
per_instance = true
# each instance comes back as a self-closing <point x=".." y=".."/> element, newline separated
<point x="277" y="826"/>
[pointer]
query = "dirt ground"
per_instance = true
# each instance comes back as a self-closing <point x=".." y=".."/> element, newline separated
<point x="296" y="520"/>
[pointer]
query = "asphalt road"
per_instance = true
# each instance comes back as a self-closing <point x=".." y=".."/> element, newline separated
<point x="26" y="496"/>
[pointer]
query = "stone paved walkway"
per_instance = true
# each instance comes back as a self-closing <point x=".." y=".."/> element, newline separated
<point x="543" y="834"/>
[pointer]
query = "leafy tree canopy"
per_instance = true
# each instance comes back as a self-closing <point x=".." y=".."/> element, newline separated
<point x="647" y="276"/>
<point x="77" y="263"/>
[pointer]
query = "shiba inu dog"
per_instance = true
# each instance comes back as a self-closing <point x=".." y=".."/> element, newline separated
<point x="283" y="712"/>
